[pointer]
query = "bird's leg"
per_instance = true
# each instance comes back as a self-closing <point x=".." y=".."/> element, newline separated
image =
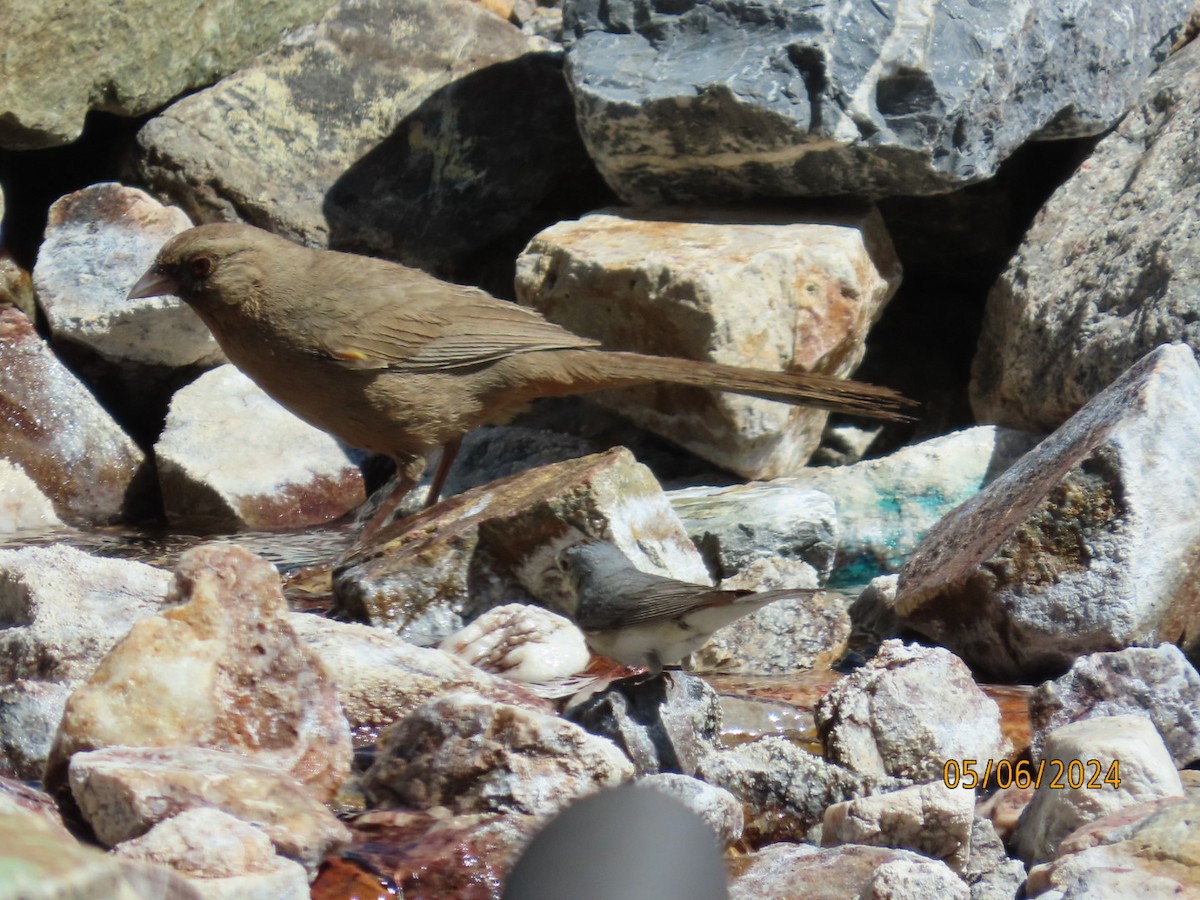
<point x="405" y="484"/>
<point x="449" y="451"/>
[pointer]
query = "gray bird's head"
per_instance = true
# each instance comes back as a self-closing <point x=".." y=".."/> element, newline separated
<point x="592" y="562"/>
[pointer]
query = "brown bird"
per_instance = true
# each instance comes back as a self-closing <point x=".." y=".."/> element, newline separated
<point x="392" y="360"/>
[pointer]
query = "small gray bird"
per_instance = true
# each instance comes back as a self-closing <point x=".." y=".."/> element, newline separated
<point x="640" y="619"/>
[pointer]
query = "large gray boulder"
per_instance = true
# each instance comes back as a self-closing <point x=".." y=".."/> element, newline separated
<point x="1108" y="270"/>
<point x="717" y="100"/>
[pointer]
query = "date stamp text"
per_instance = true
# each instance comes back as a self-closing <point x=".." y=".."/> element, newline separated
<point x="1054" y="773"/>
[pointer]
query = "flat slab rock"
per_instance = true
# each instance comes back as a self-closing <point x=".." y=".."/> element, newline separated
<point x="719" y="100"/>
<point x="1078" y="547"/>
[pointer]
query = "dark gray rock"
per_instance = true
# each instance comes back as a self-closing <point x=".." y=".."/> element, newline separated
<point x="718" y="99"/>
<point x="1108" y="270"/>
<point x="664" y="724"/>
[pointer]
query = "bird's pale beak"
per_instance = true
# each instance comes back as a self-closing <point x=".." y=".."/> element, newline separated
<point x="155" y="283"/>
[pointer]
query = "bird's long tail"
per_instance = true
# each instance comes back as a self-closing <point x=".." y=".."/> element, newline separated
<point x="619" y="369"/>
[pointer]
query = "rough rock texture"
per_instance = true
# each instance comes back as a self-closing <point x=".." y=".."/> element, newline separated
<point x="227" y="857"/>
<point x="751" y="289"/>
<point x="908" y="711"/>
<point x="474" y="755"/>
<point x="223" y="670"/>
<point x="1086" y="544"/>
<point x="57" y="432"/>
<point x="1081" y="795"/>
<point x="123" y="792"/>
<point x="61" y="610"/>
<point x="872" y="873"/>
<point x="668" y="723"/>
<point x="424" y="577"/>
<point x="719" y="809"/>
<point x="40" y="861"/>
<point x="381" y="678"/>
<point x="416" y="129"/>
<point x="126" y="57"/>
<point x="98" y="242"/>
<point x="795" y="635"/>
<point x="16" y="285"/>
<point x="23" y="506"/>
<point x="1108" y="269"/>
<point x="1147" y="851"/>
<point x="932" y="819"/>
<point x="737" y="525"/>
<point x="1157" y="683"/>
<point x="232" y="459"/>
<point x="784" y="790"/>
<point x="736" y="100"/>
<point x="29" y="715"/>
<point x="522" y="643"/>
<point x="886" y="506"/>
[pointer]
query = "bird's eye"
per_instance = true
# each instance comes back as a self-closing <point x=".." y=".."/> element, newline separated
<point x="201" y="266"/>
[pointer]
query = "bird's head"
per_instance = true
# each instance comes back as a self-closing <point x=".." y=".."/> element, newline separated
<point x="589" y="561"/>
<point x="211" y="266"/>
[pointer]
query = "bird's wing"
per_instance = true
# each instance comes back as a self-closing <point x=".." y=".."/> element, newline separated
<point x="667" y="599"/>
<point x="419" y="324"/>
<point x="648" y="602"/>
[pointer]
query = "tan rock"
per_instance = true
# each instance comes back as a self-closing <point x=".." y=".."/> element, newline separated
<point x="758" y="290"/>
<point x="123" y="792"/>
<point x="381" y="678"/>
<point x="23" y="506"/>
<point x="224" y="670"/>
<point x="224" y="858"/>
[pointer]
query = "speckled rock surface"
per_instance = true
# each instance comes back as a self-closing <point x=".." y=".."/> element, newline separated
<point x="1158" y="683"/>
<point x="908" y="711"/>
<point x="23" y="506"/>
<point x="120" y="68"/>
<point x="474" y="755"/>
